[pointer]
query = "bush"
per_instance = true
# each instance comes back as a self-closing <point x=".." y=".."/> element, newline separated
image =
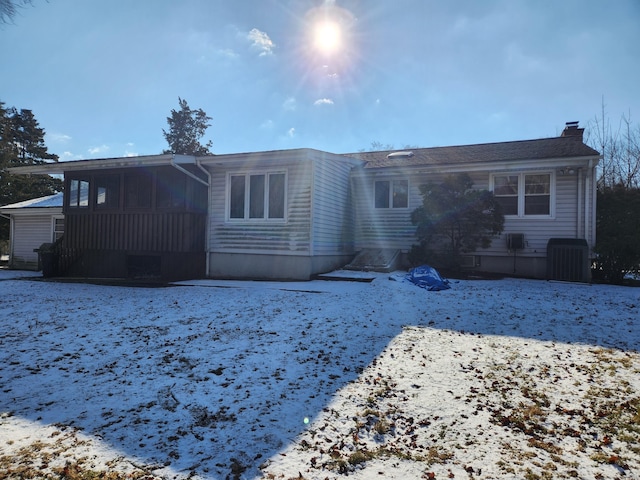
<point x="617" y="234"/>
<point x="454" y="219"/>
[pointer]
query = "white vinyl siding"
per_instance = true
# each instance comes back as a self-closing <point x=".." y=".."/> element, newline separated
<point x="28" y="233"/>
<point x="270" y="236"/>
<point x="317" y="212"/>
<point x="332" y="208"/>
<point x="539" y="229"/>
<point x="384" y="227"/>
<point x="392" y="228"/>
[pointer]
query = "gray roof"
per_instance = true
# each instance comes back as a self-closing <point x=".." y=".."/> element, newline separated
<point x="545" y="148"/>
<point x="50" y="201"/>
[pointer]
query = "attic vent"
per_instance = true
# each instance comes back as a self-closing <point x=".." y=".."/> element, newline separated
<point x="400" y="155"/>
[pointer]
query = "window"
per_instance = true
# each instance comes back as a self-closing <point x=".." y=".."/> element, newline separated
<point x="78" y="193"/>
<point x="537" y="194"/>
<point x="257" y="196"/>
<point x="391" y="193"/>
<point x="505" y="189"/>
<point x="58" y="228"/>
<point x="525" y="194"/>
<point x="107" y="192"/>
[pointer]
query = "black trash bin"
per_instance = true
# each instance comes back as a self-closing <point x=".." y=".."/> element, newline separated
<point x="48" y="260"/>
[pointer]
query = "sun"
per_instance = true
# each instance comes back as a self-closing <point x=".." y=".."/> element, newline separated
<point x="327" y="36"/>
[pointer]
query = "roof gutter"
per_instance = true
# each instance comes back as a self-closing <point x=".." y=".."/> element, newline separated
<point x="178" y="160"/>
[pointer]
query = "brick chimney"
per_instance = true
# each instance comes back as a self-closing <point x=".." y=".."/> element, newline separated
<point x="571" y="130"/>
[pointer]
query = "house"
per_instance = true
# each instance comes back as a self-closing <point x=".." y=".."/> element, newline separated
<point x="295" y="213"/>
<point x="32" y="223"/>
<point x="547" y="189"/>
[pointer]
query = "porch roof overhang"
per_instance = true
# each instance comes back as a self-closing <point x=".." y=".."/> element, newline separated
<point x="273" y="157"/>
<point x="104" y="164"/>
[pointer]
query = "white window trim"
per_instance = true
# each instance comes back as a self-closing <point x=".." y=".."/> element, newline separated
<point x="53" y="226"/>
<point x="391" y="180"/>
<point x="521" y="196"/>
<point x="247" y="174"/>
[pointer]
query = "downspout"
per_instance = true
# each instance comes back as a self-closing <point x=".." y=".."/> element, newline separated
<point x="207" y="233"/>
<point x="581" y="201"/>
<point x="191" y="160"/>
<point x="12" y="230"/>
<point x="187" y="172"/>
<point x="587" y="210"/>
<point x="594" y="195"/>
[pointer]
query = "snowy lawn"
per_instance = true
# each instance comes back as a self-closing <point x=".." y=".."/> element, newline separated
<point x="220" y="379"/>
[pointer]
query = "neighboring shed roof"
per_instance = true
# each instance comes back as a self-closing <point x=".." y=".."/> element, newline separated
<point x="50" y="201"/>
<point x="545" y="148"/>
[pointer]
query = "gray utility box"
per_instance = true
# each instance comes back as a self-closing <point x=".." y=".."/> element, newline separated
<point x="568" y="259"/>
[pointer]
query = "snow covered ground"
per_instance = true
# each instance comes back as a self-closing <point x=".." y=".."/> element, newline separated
<point x="226" y="379"/>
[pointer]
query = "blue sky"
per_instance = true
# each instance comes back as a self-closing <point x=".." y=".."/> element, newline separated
<point x="102" y="76"/>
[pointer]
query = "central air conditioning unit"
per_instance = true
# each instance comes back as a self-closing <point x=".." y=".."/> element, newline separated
<point x="515" y="241"/>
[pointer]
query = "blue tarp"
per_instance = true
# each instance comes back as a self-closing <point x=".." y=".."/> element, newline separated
<point x="427" y="277"/>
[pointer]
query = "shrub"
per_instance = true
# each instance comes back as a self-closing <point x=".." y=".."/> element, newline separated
<point x="454" y="219"/>
<point x="617" y="234"/>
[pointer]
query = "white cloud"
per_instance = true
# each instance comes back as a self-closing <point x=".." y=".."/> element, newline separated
<point x="323" y="101"/>
<point x="58" y="137"/>
<point x="267" y="124"/>
<point x="68" y="156"/>
<point x="227" y="53"/>
<point x="291" y="132"/>
<point x="289" y="104"/>
<point x="98" y="150"/>
<point x="260" y="41"/>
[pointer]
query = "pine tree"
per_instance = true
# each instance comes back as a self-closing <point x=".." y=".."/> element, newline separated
<point x="186" y="127"/>
<point x="22" y="143"/>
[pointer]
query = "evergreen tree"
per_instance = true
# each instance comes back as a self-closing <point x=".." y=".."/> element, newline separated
<point x="454" y="219"/>
<point x="186" y="127"/>
<point x="22" y="143"/>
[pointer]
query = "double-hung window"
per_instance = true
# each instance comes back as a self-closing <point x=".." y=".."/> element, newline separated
<point x="524" y="194"/>
<point x="257" y="196"/>
<point x="391" y="193"/>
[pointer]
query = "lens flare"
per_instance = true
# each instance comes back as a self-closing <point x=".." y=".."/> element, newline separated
<point x="327" y="37"/>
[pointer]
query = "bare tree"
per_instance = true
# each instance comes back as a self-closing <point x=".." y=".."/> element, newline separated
<point x="9" y="8"/>
<point x="620" y="149"/>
